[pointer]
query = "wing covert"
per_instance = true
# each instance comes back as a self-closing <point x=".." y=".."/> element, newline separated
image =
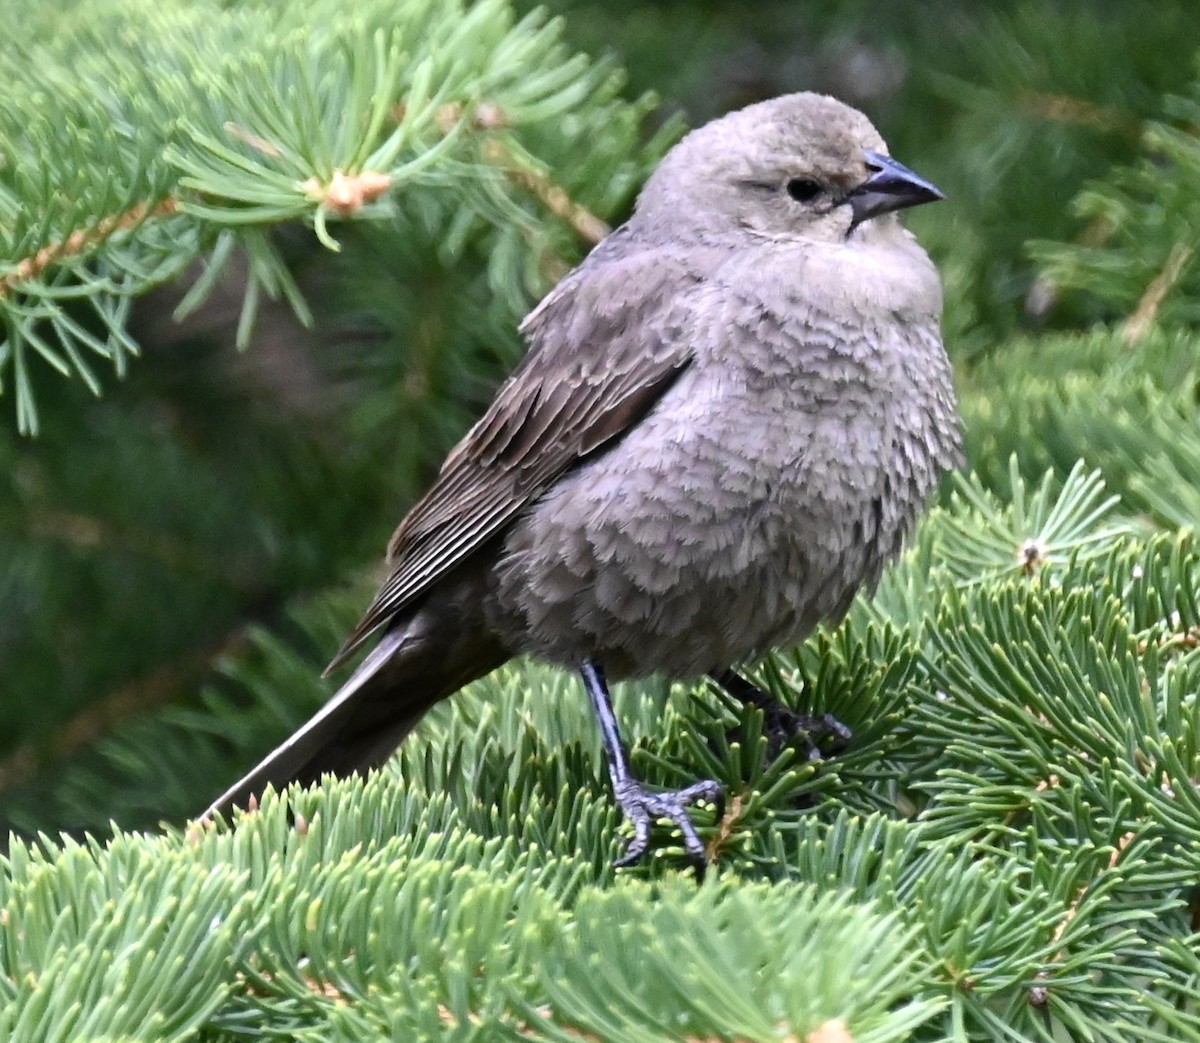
<point x="603" y="347"/>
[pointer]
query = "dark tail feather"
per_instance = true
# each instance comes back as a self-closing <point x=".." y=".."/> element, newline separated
<point x="413" y="667"/>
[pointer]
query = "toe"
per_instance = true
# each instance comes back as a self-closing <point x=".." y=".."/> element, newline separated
<point x="642" y="808"/>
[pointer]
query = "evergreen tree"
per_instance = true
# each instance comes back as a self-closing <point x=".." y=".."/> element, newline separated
<point x="368" y="196"/>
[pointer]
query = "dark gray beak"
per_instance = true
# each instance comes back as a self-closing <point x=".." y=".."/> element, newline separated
<point x="891" y="186"/>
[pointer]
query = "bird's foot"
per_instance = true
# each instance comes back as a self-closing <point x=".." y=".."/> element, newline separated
<point x="821" y="735"/>
<point x="643" y="808"/>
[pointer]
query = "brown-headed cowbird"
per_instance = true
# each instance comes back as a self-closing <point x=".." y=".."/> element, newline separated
<point x="727" y="421"/>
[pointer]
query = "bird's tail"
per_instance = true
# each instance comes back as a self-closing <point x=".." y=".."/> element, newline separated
<point x="415" y="665"/>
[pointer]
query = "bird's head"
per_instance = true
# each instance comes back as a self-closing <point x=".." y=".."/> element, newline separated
<point x="801" y="166"/>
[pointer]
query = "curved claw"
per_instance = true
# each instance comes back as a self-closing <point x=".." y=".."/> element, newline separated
<point x="642" y="808"/>
<point x="822" y="726"/>
<point x="782" y="725"/>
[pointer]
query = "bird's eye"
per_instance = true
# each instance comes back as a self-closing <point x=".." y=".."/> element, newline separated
<point x="803" y="189"/>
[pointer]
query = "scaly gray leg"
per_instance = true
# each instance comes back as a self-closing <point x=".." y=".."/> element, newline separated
<point x="642" y="807"/>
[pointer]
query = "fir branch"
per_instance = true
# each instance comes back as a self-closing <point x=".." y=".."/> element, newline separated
<point x="1039" y="993"/>
<point x="1022" y="687"/>
<point x="81" y="242"/>
<point x="106" y="715"/>
<point x="1138" y="324"/>
<point x="1083" y="112"/>
<point x="1149" y="213"/>
<point x="590" y="228"/>
<point x="313" y="120"/>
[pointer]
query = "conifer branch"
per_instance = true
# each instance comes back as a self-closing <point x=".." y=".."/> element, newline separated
<point x="292" y="127"/>
<point x="1039" y="994"/>
<point x="1063" y="108"/>
<point x="1022" y="686"/>
<point x="488" y="116"/>
<point x="1138" y="324"/>
<point x="832" y="1031"/>
<point x="82" y="241"/>
<point x="590" y="228"/>
<point x="157" y="689"/>
<point x="726" y="828"/>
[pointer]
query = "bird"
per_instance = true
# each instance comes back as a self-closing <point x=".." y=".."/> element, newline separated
<point x="727" y="421"/>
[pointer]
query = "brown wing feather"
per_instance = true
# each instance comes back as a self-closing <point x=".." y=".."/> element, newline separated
<point x="606" y="343"/>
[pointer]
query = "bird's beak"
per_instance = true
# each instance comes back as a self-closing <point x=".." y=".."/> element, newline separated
<point x="891" y="186"/>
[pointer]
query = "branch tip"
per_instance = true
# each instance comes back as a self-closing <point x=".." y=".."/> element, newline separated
<point x="834" y="1030"/>
<point x="346" y="194"/>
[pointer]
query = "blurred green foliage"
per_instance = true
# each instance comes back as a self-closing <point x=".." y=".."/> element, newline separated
<point x="1014" y="829"/>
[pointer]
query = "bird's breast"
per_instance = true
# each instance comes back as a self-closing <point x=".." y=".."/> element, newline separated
<point x="771" y="481"/>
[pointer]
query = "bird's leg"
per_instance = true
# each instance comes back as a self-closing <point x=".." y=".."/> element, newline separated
<point x="640" y="806"/>
<point x="781" y="724"/>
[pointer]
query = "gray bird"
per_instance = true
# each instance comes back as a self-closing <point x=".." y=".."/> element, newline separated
<point x="727" y="421"/>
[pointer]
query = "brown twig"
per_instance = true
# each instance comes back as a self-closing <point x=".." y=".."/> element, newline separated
<point x="1039" y="994"/>
<point x="487" y="116"/>
<point x="157" y="688"/>
<point x="81" y="240"/>
<point x="554" y="197"/>
<point x="1079" y="112"/>
<point x="726" y="827"/>
<point x="1139" y="322"/>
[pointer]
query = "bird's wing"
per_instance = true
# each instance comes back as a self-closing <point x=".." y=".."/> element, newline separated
<point x="603" y="347"/>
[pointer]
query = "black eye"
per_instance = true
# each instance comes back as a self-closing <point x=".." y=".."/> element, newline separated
<point x="803" y="189"/>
